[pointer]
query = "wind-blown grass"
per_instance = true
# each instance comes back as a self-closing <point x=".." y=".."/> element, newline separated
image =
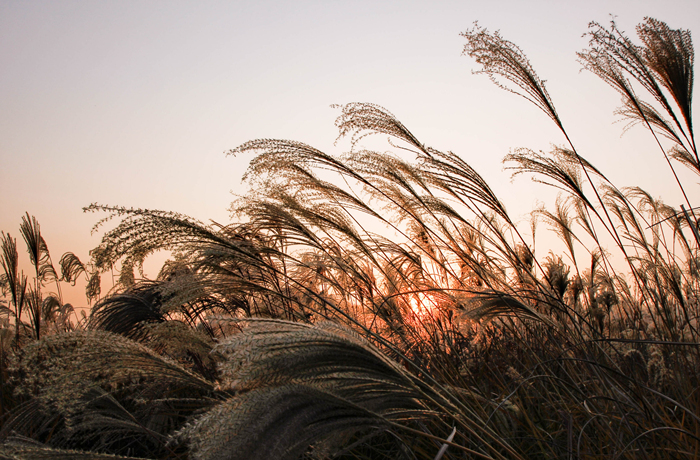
<point x="377" y="305"/>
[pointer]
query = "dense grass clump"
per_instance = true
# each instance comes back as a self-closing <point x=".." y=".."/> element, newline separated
<point x="371" y="305"/>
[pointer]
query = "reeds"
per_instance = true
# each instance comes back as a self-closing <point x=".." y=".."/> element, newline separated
<point x="374" y="305"/>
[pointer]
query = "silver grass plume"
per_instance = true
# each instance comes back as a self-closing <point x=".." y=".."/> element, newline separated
<point x="502" y="58"/>
<point x="670" y="55"/>
<point x="12" y="280"/>
<point x="71" y="268"/>
<point x="37" y="249"/>
<point x="360" y="120"/>
<point x="104" y="387"/>
<point x="562" y="224"/>
<point x="559" y="171"/>
<point x="664" y="61"/>
<point x="488" y="304"/>
<point x="297" y="385"/>
<point x="17" y="448"/>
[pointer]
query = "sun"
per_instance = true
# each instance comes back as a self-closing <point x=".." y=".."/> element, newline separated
<point x="422" y="305"/>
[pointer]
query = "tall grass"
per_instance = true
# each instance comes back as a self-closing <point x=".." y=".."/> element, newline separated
<point x="379" y="305"/>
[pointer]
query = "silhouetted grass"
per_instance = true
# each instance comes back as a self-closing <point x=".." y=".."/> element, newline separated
<point x="368" y="305"/>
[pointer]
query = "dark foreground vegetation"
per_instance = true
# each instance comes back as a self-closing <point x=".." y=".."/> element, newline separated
<point x="380" y="306"/>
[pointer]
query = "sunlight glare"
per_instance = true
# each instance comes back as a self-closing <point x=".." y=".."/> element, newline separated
<point x="422" y="305"/>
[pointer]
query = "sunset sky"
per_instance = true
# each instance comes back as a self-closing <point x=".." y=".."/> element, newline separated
<point x="134" y="103"/>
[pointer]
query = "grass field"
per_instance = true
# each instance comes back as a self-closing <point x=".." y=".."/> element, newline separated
<point x="384" y="305"/>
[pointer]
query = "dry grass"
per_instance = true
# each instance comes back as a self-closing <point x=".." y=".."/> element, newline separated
<point x="300" y="332"/>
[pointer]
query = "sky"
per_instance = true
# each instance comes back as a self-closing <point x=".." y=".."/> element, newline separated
<point x="135" y="103"/>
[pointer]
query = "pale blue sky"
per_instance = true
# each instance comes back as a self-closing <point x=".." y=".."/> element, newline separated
<point x="133" y="103"/>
